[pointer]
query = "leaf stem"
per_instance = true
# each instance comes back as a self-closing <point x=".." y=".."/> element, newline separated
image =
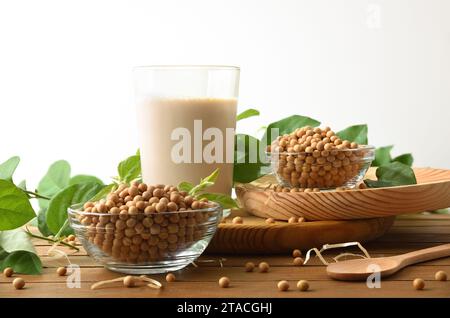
<point x="36" y="195"/>
<point x="51" y="240"/>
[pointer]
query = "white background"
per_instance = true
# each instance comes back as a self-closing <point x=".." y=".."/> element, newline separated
<point x="65" y="70"/>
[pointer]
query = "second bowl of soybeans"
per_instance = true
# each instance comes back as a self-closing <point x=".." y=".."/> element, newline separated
<point x="145" y="229"/>
<point x="317" y="158"/>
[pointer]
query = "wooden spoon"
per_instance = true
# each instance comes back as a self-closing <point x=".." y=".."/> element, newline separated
<point x="360" y="269"/>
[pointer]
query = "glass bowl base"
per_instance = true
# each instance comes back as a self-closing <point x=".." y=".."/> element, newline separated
<point x="147" y="269"/>
<point x="349" y="184"/>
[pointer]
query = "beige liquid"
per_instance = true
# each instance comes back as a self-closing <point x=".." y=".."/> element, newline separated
<point x="158" y="117"/>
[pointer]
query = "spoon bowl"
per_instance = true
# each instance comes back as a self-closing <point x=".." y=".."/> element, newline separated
<point x="360" y="269"/>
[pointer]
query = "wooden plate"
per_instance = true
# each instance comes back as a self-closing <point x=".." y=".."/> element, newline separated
<point x="257" y="237"/>
<point x="431" y="192"/>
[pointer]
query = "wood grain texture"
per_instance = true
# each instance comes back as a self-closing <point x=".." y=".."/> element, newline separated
<point x="432" y="192"/>
<point x="202" y="281"/>
<point x="255" y="236"/>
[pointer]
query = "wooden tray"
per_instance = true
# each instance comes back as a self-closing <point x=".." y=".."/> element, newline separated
<point x="431" y="192"/>
<point x="254" y="236"/>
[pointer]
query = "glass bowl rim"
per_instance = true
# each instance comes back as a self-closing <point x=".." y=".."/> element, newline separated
<point x="362" y="147"/>
<point x="73" y="210"/>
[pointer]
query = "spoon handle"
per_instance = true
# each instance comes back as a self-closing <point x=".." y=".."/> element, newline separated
<point x="424" y="255"/>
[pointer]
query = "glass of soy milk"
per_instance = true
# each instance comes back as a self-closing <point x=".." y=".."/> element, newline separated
<point x="186" y="122"/>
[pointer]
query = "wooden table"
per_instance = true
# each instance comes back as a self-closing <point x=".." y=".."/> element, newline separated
<point x="410" y="232"/>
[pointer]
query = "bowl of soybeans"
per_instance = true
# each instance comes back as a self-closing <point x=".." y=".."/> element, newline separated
<point x="313" y="157"/>
<point x="145" y="229"/>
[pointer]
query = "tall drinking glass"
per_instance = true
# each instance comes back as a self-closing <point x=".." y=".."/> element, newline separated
<point x="186" y="121"/>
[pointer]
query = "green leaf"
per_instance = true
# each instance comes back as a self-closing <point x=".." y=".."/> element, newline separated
<point x="15" y="208"/>
<point x="82" y="178"/>
<point x="57" y="209"/>
<point x="406" y="159"/>
<point x="130" y="168"/>
<point x="396" y="173"/>
<point x="16" y="240"/>
<point x="22" y="262"/>
<point x="248" y="166"/>
<point x="205" y="183"/>
<point x="382" y="156"/>
<point x="247" y="113"/>
<point x="212" y="177"/>
<point x="42" y="223"/>
<point x="200" y="187"/>
<point x="224" y="200"/>
<point x="8" y="167"/>
<point x="441" y="211"/>
<point x="56" y="179"/>
<point x="185" y="186"/>
<point x="288" y="125"/>
<point x="378" y="184"/>
<point x="245" y="173"/>
<point x="104" y="192"/>
<point x="356" y="133"/>
<point x="17" y="251"/>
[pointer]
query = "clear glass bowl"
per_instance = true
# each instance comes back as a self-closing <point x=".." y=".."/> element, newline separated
<point x="145" y="244"/>
<point x="330" y="170"/>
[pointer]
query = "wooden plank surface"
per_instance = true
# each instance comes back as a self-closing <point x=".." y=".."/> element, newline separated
<point x="410" y="232"/>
